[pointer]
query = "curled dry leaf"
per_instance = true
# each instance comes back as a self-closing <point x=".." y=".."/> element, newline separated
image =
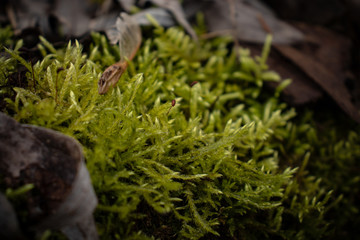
<point x="63" y="198"/>
<point x="127" y="33"/>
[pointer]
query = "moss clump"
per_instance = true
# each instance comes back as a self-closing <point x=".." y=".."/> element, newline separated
<point x="215" y="165"/>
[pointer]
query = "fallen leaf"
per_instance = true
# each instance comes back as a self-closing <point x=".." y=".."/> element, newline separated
<point x="107" y="7"/>
<point x="315" y="11"/>
<point x="176" y="9"/>
<point x="127" y="33"/>
<point x="127" y="4"/>
<point x="329" y="48"/>
<point x="103" y="22"/>
<point x="29" y="14"/>
<point x="247" y="22"/>
<point x="162" y="16"/>
<point x="302" y="89"/>
<point x="324" y="77"/>
<point x="191" y="7"/>
<point x="73" y="16"/>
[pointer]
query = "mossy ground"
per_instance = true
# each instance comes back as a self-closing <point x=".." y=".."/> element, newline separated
<point x="229" y="160"/>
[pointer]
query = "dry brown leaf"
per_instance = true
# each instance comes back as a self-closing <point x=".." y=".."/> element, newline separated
<point x="247" y="21"/>
<point x="302" y="89"/>
<point x="324" y="77"/>
<point x="329" y="48"/>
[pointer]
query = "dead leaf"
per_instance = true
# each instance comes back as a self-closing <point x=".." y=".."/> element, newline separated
<point x="329" y="48"/>
<point x="127" y="33"/>
<point x="320" y="64"/>
<point x="73" y="16"/>
<point x="324" y="58"/>
<point x="29" y="14"/>
<point x="103" y="22"/>
<point x="176" y="9"/>
<point x="315" y="11"/>
<point x="302" y="89"/>
<point x="324" y="77"/>
<point x="107" y="21"/>
<point x="162" y="16"/>
<point x="191" y="7"/>
<point x="247" y="22"/>
<point x="127" y="4"/>
<point x="54" y="164"/>
<point x="106" y="7"/>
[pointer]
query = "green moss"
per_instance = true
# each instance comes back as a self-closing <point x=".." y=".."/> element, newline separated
<point x="221" y="163"/>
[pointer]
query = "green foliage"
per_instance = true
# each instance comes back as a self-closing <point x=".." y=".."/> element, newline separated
<point x="215" y="165"/>
<point x="337" y="155"/>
